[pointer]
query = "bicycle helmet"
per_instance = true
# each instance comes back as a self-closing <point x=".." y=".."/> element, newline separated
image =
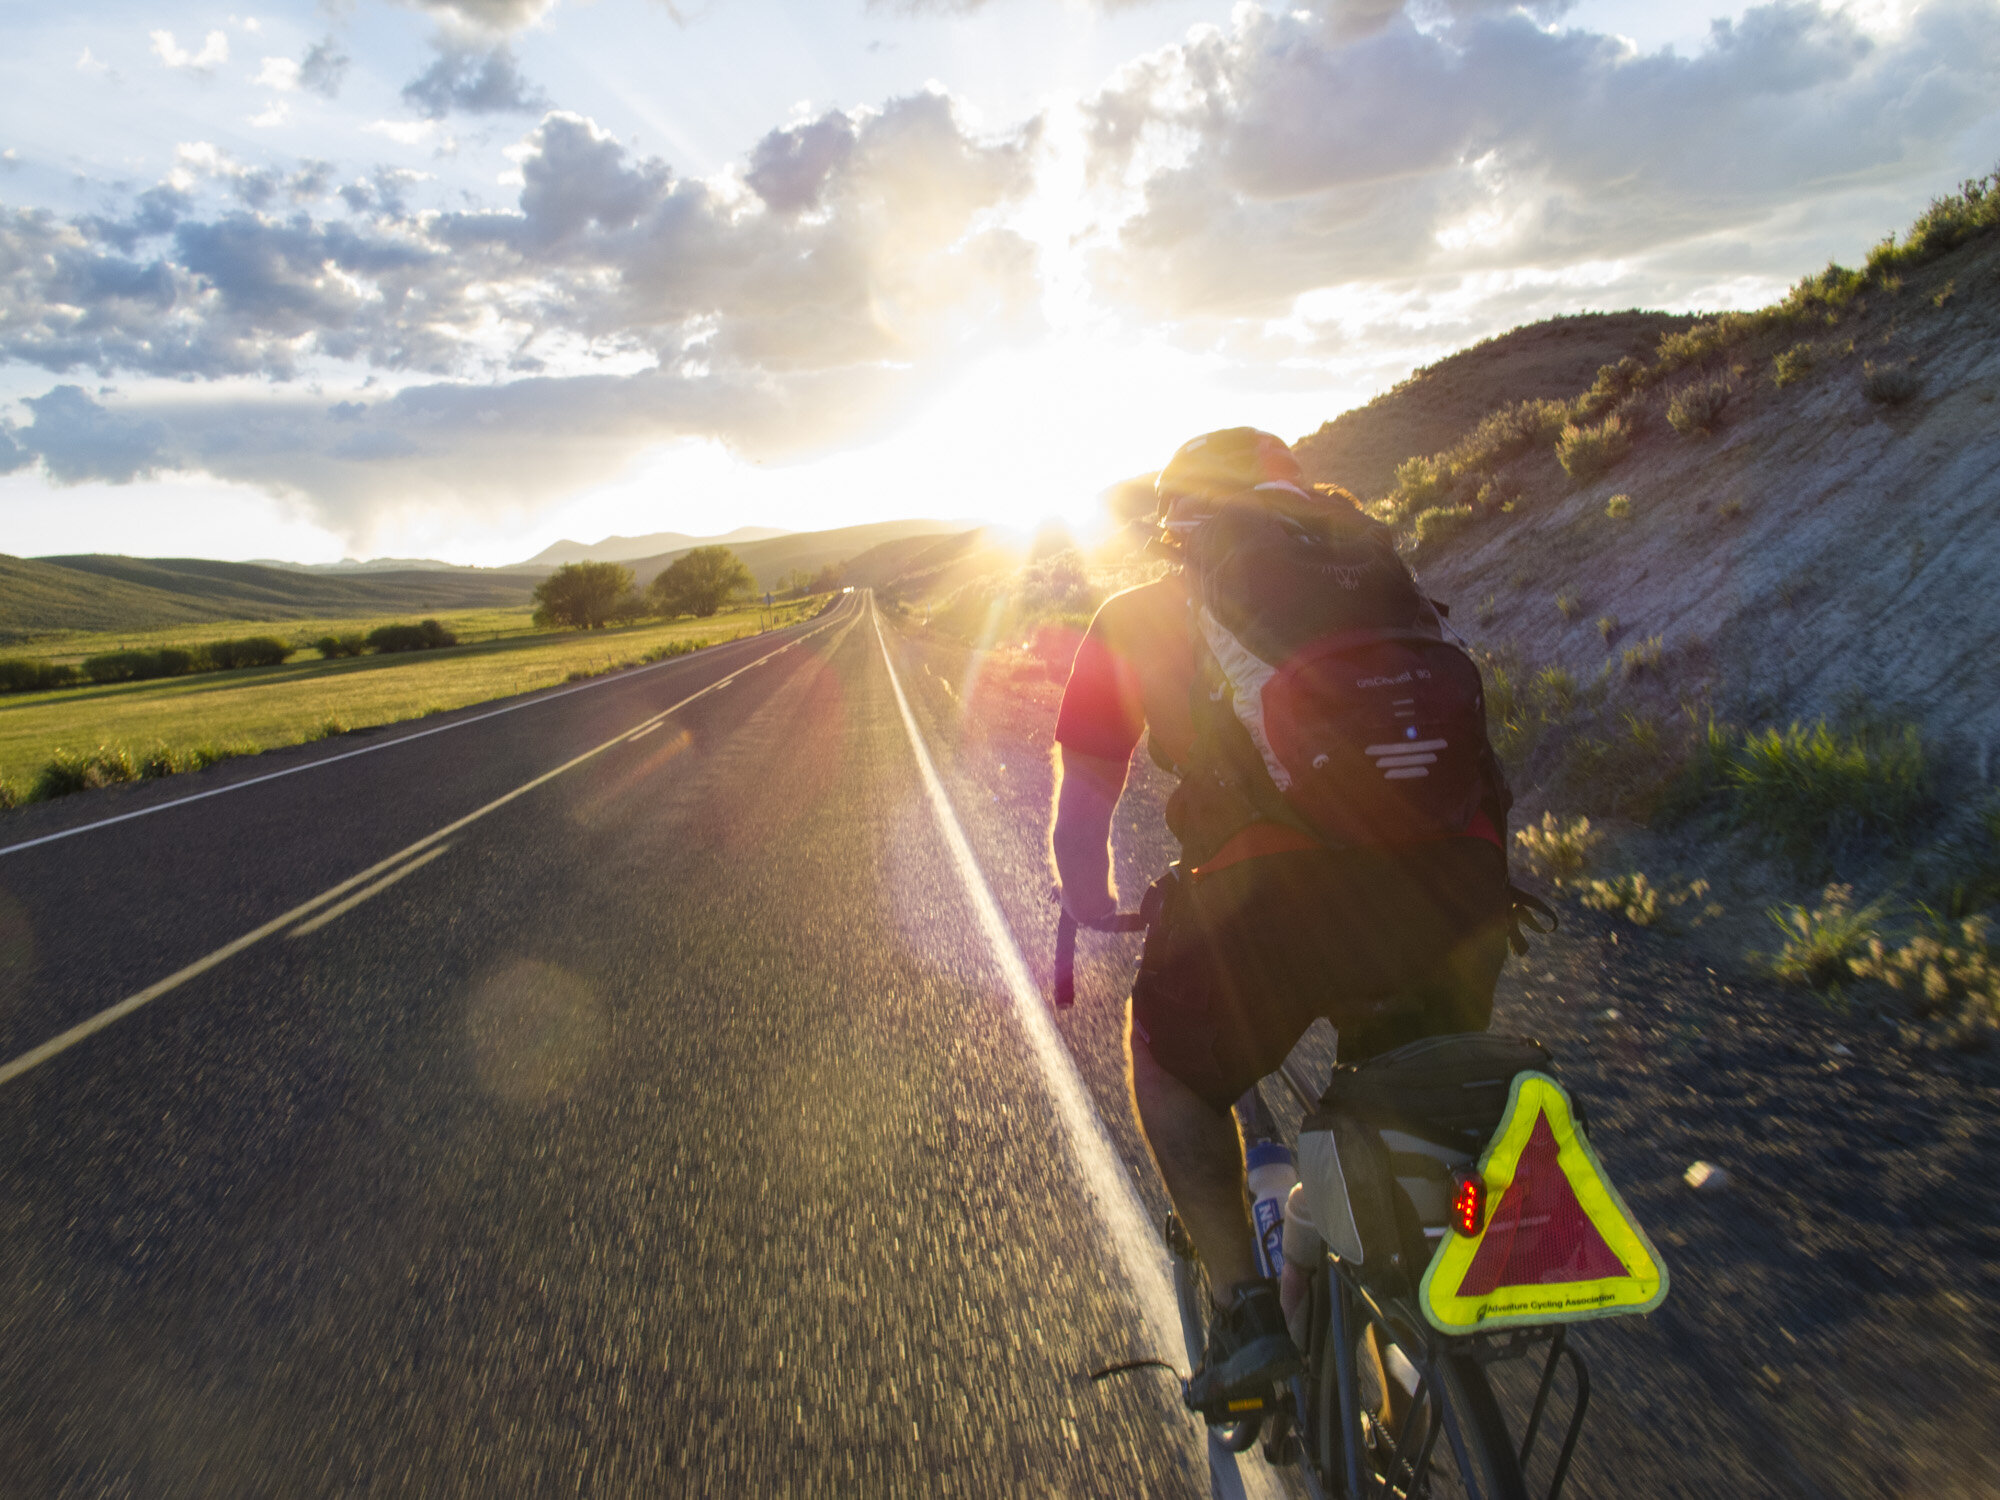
<point x="1216" y="465"/>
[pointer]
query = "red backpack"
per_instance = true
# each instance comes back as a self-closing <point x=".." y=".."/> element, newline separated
<point x="1328" y="692"/>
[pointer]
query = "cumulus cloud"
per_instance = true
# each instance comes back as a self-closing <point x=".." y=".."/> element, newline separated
<point x="488" y="15"/>
<point x="214" y="52"/>
<point x="1280" y="156"/>
<point x="614" y="305"/>
<point x="322" y="68"/>
<point x="472" y="82"/>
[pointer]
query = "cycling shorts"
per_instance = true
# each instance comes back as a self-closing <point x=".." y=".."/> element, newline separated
<point x="1388" y="945"/>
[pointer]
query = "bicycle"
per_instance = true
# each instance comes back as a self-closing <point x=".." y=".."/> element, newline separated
<point x="1389" y="1407"/>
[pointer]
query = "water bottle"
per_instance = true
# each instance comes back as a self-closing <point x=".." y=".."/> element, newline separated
<point x="1272" y="1178"/>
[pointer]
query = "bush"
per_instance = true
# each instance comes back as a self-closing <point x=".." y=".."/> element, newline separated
<point x="425" y="635"/>
<point x="1792" y="364"/>
<point x="138" y="666"/>
<point x="1701" y="343"/>
<point x="1568" y="605"/>
<point x="1695" y="406"/>
<point x="1422" y="482"/>
<point x="1888" y="385"/>
<point x="331" y="646"/>
<point x="19" y="675"/>
<point x="1586" y="452"/>
<point x="250" y="651"/>
<point x="582" y="595"/>
<point x="1805" y="790"/>
<point x="1821" y="941"/>
<point x="1643" y="904"/>
<point x="69" y="771"/>
<point x="1644" y="657"/>
<point x="1948" y="973"/>
<point x="1619" y="507"/>
<point x="1948" y="223"/>
<point x="1558" y="849"/>
<point x="1607" y="626"/>
<point x="1441" y="521"/>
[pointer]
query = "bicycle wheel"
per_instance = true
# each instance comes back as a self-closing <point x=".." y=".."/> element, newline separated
<point x="1192" y="1299"/>
<point x="1441" y="1439"/>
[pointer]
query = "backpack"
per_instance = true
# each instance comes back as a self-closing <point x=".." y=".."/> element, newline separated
<point x="1327" y="692"/>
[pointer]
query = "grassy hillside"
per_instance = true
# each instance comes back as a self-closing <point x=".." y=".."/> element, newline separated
<point x="252" y="591"/>
<point x="1360" y="449"/>
<point x="469" y="625"/>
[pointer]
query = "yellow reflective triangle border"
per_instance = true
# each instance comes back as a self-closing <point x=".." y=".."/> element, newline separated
<point x="1558" y="1245"/>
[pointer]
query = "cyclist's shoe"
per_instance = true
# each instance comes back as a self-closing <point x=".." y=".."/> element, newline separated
<point x="1249" y="1351"/>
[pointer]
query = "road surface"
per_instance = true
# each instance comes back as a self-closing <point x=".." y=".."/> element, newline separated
<point x="667" y="1124"/>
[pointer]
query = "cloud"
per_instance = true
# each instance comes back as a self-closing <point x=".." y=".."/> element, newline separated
<point x="323" y="67"/>
<point x="214" y="52"/>
<point x="78" y="440"/>
<point x="488" y="15"/>
<point x="615" y="305"/>
<point x="1281" y="156"/>
<point x="279" y="73"/>
<point x="472" y="82"/>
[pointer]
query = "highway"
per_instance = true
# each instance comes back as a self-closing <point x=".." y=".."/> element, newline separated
<point x="637" y="1090"/>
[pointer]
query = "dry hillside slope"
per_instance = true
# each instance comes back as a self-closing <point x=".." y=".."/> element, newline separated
<point x="1818" y="554"/>
<point x="1360" y="449"/>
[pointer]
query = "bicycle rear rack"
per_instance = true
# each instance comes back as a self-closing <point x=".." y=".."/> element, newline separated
<point x="1558" y="1347"/>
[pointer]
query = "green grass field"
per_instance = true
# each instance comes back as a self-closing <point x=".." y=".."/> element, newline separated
<point x="261" y="708"/>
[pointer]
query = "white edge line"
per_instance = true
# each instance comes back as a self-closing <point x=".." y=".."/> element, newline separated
<point x="1140" y="1251"/>
<point x="344" y="907"/>
<point x="536" y="698"/>
<point x="36" y="1056"/>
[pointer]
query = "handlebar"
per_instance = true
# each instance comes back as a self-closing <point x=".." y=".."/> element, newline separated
<point x="1066" y="926"/>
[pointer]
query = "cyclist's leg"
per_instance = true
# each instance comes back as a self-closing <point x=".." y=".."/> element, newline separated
<point x="1199" y="1151"/>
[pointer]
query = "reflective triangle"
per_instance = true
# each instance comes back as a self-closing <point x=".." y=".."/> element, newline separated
<point x="1559" y="1245"/>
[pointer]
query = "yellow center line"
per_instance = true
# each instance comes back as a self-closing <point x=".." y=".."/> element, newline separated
<point x="363" y="894"/>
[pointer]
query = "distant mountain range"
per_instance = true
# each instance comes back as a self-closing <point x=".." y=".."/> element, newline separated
<point x="43" y="595"/>
<point x="627" y="548"/>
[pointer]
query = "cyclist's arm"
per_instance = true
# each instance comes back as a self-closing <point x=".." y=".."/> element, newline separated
<point x="1081" y="840"/>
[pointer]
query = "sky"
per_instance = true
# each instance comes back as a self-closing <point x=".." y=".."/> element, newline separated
<point x="354" y="278"/>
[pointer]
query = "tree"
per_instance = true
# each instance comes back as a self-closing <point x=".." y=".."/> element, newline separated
<point x="581" y="594"/>
<point x="700" y="582"/>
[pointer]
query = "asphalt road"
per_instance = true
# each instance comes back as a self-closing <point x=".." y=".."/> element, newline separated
<point x="667" y="1128"/>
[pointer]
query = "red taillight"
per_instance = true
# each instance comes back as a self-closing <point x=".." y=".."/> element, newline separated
<point x="1468" y="1206"/>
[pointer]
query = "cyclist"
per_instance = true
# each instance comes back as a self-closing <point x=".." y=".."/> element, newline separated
<point x="1265" y="924"/>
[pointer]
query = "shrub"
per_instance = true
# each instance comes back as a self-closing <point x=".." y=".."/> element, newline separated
<point x="70" y="771"/>
<point x="1607" y="626"/>
<point x="1888" y="385"/>
<point x="1805" y="790"/>
<point x="1644" y="657"/>
<point x="1695" y="406"/>
<point x="1559" y="849"/>
<point x="1568" y="605"/>
<point x="1643" y="904"/>
<point x="1948" y="973"/>
<point x="138" y="666"/>
<point x="1948" y="223"/>
<point x="250" y="651"/>
<point x="159" y="761"/>
<point x="10" y="795"/>
<point x="19" y="675"/>
<point x="1441" y="521"/>
<point x="1422" y="482"/>
<point x="1701" y="343"/>
<point x="1792" y="364"/>
<point x="331" y="646"/>
<point x="1820" y="942"/>
<point x="1619" y="507"/>
<point x="425" y="635"/>
<point x="1586" y="452"/>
